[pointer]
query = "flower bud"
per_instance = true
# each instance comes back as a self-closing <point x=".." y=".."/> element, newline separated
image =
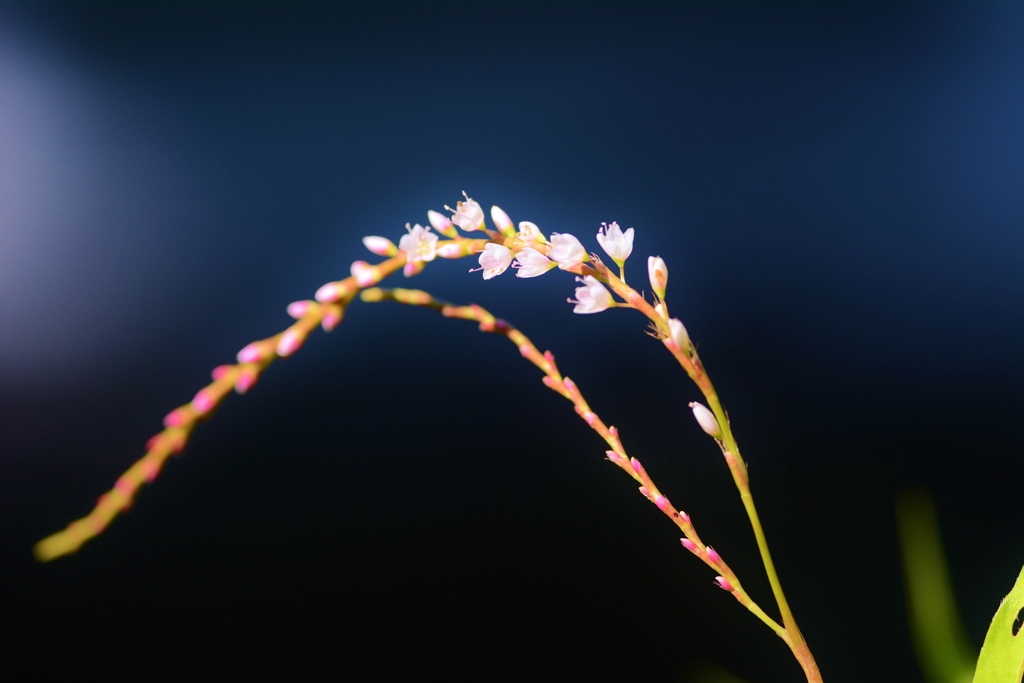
<point x="680" y="337"/>
<point x="290" y="342"/>
<point x="657" y="271"/>
<point x="441" y="223"/>
<point x="502" y="222"/>
<point x="712" y="555"/>
<point x="381" y="246"/>
<point x="688" y="544"/>
<point x="706" y="419"/>
<point x="724" y="584"/>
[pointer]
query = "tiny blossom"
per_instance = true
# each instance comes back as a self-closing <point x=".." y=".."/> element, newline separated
<point x="419" y="245"/>
<point x="529" y="232"/>
<point x="566" y="250"/>
<point x="706" y="419"/>
<point x="381" y="246"/>
<point x="592" y="297"/>
<point x="679" y="335"/>
<point x="531" y="263"/>
<point x="502" y="222"/>
<point x="494" y="259"/>
<point x="616" y="244"/>
<point x="467" y="215"/>
<point x="657" y="271"/>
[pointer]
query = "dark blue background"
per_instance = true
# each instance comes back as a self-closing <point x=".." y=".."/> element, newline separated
<point x="838" y="192"/>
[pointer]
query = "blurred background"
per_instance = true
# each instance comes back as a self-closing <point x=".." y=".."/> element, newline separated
<point x="838" y="192"/>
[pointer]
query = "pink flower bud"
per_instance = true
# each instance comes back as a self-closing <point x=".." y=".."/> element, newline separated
<point x="290" y="342"/>
<point x="175" y="418"/>
<point x="220" y="371"/>
<point x="685" y="517"/>
<point x="688" y="544"/>
<point x="712" y="555"/>
<point x="203" y="402"/>
<point x="644" y="492"/>
<point x="330" y="320"/>
<point x="678" y="334"/>
<point x="153" y="441"/>
<point x="250" y="354"/>
<point x="662" y="502"/>
<point x="381" y="246"/>
<point x="365" y="274"/>
<point x="657" y="271"/>
<point x="409" y="269"/>
<point x="442" y="224"/>
<point x="614" y="457"/>
<point x="297" y="309"/>
<point x="706" y="419"/>
<point x="450" y="250"/>
<point x="245" y="381"/>
<point x="724" y="584"/>
<point x="502" y="222"/>
<point x="637" y="467"/>
<point x="329" y="292"/>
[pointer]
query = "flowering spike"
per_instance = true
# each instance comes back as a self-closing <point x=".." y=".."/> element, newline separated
<point x="657" y="271"/>
<point x="566" y="250"/>
<point x="616" y="244"/>
<point x="680" y="337"/>
<point x="502" y="222"/>
<point x="706" y="419"/>
<point x="688" y="544"/>
<point x="419" y="245"/>
<point x="467" y="215"/>
<point x="381" y="246"/>
<point x="713" y="556"/>
<point x="531" y="263"/>
<point x="442" y="224"/>
<point x="592" y="297"/>
<point x="724" y="584"/>
<point x="494" y="260"/>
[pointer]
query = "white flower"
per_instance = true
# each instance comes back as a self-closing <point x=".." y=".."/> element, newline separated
<point x="706" y="419"/>
<point x="679" y="335"/>
<point x="419" y="245"/>
<point x="592" y="297"/>
<point x="532" y="263"/>
<point x="502" y="222"/>
<point x="566" y="250"/>
<point x="529" y="232"/>
<point x="494" y="259"/>
<point x="657" y="271"/>
<point x="616" y="244"/>
<point x="467" y="215"/>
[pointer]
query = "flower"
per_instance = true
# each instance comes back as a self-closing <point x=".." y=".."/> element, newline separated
<point x="494" y="259"/>
<point x="419" y="245"/>
<point x="467" y="215"/>
<point x="531" y="263"/>
<point x="566" y="250"/>
<point x="529" y="232"/>
<point x="679" y="335"/>
<point x="657" y="271"/>
<point x="592" y="297"/>
<point x="617" y="244"/>
<point x="706" y="419"/>
<point x="502" y="222"/>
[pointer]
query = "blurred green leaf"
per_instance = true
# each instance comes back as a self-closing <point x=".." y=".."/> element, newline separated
<point x="943" y="650"/>
<point x="1002" y="654"/>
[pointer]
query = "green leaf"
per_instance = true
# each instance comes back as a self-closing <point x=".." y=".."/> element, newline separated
<point x="1002" y="654"/>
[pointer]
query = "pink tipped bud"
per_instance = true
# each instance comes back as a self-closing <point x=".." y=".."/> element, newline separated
<point x="662" y="502"/>
<point x="657" y="271"/>
<point x="153" y="441"/>
<point x="724" y="584"/>
<point x="688" y="544"/>
<point x="450" y="250"/>
<point x="637" y="467"/>
<point x="290" y="342"/>
<point x="411" y="268"/>
<point x="502" y="222"/>
<point x="297" y="309"/>
<point x="365" y="274"/>
<point x="706" y="419"/>
<point x="442" y="224"/>
<point x="381" y="246"/>
<point x="250" y="354"/>
<point x="329" y="292"/>
<point x="678" y="333"/>
<point x="203" y="402"/>
<point x="660" y="310"/>
<point x="644" y="492"/>
<point x="220" y="371"/>
<point x="684" y="517"/>
<point x="245" y="381"/>
<point x="614" y="457"/>
<point x="330" y="321"/>
<point x="175" y="418"/>
<point x="713" y="556"/>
